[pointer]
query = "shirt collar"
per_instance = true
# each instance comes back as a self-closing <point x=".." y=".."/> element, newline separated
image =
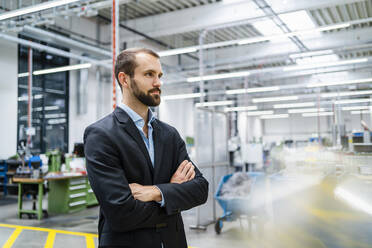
<point x="136" y="117"/>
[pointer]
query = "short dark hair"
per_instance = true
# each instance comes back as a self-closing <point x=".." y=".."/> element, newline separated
<point x="126" y="61"/>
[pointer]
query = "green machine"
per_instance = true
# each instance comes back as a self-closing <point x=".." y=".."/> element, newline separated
<point x="54" y="161"/>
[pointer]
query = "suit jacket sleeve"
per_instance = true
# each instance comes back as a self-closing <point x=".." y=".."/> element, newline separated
<point x="179" y="197"/>
<point x="111" y="187"/>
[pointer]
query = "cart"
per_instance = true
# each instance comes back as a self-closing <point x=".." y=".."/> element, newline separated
<point x="234" y="208"/>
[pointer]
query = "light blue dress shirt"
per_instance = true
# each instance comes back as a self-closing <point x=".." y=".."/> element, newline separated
<point x="149" y="142"/>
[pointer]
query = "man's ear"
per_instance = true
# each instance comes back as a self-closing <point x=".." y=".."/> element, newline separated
<point x="123" y="79"/>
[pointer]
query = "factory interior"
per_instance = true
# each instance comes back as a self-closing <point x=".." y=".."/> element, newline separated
<point x="273" y="99"/>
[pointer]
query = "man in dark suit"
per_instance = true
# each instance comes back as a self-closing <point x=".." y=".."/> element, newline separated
<point x="138" y="166"/>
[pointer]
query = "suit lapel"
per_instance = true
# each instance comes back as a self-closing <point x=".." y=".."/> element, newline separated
<point x="158" y="148"/>
<point x="132" y="130"/>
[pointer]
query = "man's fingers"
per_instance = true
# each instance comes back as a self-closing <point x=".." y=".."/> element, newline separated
<point x="182" y="165"/>
<point x="193" y="175"/>
<point x="186" y="168"/>
<point x="189" y="174"/>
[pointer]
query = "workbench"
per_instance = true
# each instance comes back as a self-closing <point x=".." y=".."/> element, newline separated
<point x="39" y="209"/>
<point x="67" y="194"/>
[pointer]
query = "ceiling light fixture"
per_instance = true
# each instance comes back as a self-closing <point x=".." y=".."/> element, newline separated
<point x="242" y="108"/>
<point x="35" y="8"/>
<point x="278" y="116"/>
<point x="294" y="105"/>
<point x="63" y="68"/>
<point x="183" y="96"/>
<point x="177" y="51"/>
<point x="252" y="90"/>
<point x="257" y="113"/>
<point x="355" y="108"/>
<point x="305" y="110"/>
<point x="347" y="93"/>
<point x="57" y="69"/>
<point x="212" y="104"/>
<point x="354" y="81"/>
<point x="218" y="76"/>
<point x="275" y="99"/>
<point x="350" y="101"/>
<point x="317" y="114"/>
<point x="319" y="65"/>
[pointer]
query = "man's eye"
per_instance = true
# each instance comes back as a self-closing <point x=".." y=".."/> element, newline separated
<point x="148" y="74"/>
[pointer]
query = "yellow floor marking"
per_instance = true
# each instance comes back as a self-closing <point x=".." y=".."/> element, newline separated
<point x="90" y="241"/>
<point x="50" y="240"/>
<point x="13" y="237"/>
<point x="49" y="230"/>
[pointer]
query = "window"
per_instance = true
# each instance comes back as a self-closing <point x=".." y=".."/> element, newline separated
<point x="50" y="97"/>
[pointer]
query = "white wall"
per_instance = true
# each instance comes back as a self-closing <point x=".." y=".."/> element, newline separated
<point x="179" y="114"/>
<point x="99" y="96"/>
<point x="8" y="98"/>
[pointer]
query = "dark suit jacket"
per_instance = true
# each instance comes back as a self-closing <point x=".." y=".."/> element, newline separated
<point x="117" y="156"/>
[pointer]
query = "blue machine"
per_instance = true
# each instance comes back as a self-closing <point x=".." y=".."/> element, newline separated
<point x="3" y="171"/>
<point x="233" y="208"/>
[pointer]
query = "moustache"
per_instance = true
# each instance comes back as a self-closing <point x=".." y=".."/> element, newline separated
<point x="154" y="90"/>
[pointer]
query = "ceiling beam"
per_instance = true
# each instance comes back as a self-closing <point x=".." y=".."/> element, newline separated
<point x="212" y="15"/>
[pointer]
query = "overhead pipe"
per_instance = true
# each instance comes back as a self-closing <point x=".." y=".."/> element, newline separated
<point x="52" y="50"/>
<point x="29" y="93"/>
<point x="66" y="40"/>
<point x="115" y="45"/>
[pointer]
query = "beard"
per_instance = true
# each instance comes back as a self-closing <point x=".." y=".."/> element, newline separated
<point x="146" y="98"/>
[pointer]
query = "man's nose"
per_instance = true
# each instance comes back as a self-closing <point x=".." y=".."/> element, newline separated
<point x="157" y="82"/>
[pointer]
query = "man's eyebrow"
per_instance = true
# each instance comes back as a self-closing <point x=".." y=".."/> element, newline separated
<point x="152" y="70"/>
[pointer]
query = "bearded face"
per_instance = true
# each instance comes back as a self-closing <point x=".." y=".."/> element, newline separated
<point x="150" y="98"/>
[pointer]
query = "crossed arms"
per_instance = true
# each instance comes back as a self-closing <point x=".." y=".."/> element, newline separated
<point x="132" y="206"/>
<point x="184" y="173"/>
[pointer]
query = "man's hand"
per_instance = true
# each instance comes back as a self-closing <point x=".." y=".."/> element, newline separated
<point x="185" y="172"/>
<point x="145" y="193"/>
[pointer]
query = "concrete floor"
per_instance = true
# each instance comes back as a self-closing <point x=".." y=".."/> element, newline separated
<point x="306" y="216"/>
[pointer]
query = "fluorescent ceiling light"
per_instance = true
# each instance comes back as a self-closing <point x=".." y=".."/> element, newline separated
<point x="317" y="114"/>
<point x="23" y="74"/>
<point x="294" y="105"/>
<point x="63" y="68"/>
<point x="252" y="90"/>
<point x="35" y="8"/>
<point x="354" y="81"/>
<point x="218" y="76"/>
<point x="57" y="69"/>
<point x="275" y="99"/>
<point x="216" y="103"/>
<point x="278" y="116"/>
<point x="305" y="110"/>
<point x="355" y="108"/>
<point x="347" y="93"/>
<point x="183" y="96"/>
<point x="177" y="51"/>
<point x="310" y="54"/>
<point x="47" y="108"/>
<point x="358" y="112"/>
<point x="318" y="65"/>
<point x="51" y="107"/>
<point x="350" y="101"/>
<point x="242" y="108"/>
<point x="256" y="113"/>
